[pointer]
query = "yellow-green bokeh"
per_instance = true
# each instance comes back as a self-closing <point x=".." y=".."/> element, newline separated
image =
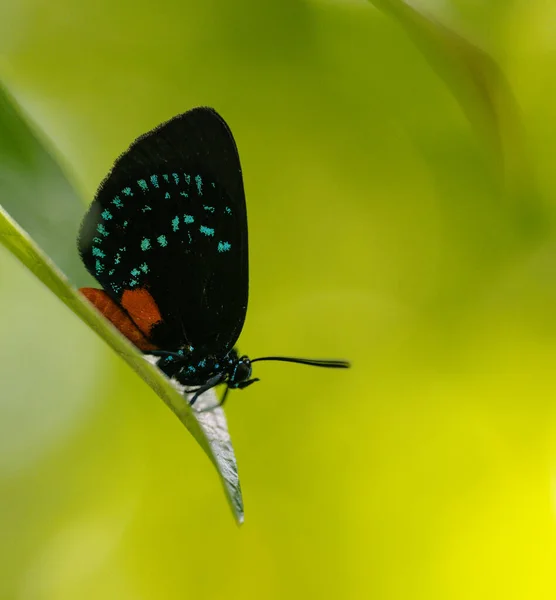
<point x="383" y="229"/>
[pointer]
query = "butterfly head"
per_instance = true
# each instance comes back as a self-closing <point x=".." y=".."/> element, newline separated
<point x="240" y="375"/>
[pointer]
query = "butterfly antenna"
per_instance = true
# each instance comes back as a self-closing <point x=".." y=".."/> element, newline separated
<point x="331" y="364"/>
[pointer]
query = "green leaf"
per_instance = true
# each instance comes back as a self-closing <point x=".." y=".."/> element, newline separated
<point x="19" y="146"/>
<point x="484" y="94"/>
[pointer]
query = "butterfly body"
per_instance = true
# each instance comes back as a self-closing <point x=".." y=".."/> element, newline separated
<point x="190" y="369"/>
<point x="166" y="237"/>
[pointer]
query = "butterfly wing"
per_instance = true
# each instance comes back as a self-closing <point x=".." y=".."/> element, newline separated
<point x="170" y="221"/>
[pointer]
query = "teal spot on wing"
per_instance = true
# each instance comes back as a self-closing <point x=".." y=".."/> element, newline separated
<point x="199" y="183"/>
<point x="117" y="202"/>
<point x="228" y="210"/>
<point x="125" y="223"/>
<point x="167" y="195"/>
<point x="145" y="244"/>
<point x="206" y="230"/>
<point x="143" y="185"/>
<point x="185" y="195"/>
<point x="224" y="246"/>
<point x="154" y="180"/>
<point x="166" y="178"/>
<point x="133" y="282"/>
<point x="117" y="259"/>
<point x="106" y="215"/>
<point x="111" y="272"/>
<point x="209" y="209"/>
<point x="187" y="178"/>
<point x="176" y="178"/>
<point x="97" y="240"/>
<point x="161" y="239"/>
<point x="212" y="183"/>
<point x="188" y="219"/>
<point x="127" y="191"/>
<point x="102" y="229"/>
<point x="99" y="267"/>
<point x="135" y="272"/>
<point x="146" y="208"/>
<point x="144" y="267"/>
<point x="98" y="252"/>
<point x="116" y="287"/>
<point x="175" y="223"/>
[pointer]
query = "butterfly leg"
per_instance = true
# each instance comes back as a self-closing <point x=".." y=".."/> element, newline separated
<point x="244" y="384"/>
<point x="221" y="403"/>
<point x="214" y="381"/>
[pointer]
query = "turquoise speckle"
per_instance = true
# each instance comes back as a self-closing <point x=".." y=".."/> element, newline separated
<point x="154" y="180"/>
<point x="176" y="178"/>
<point x="199" y="183"/>
<point x="146" y="208"/>
<point x="180" y="351"/>
<point x="117" y="259"/>
<point x="191" y="348"/>
<point x="191" y="369"/>
<point x="133" y="282"/>
<point x="184" y="194"/>
<point x="106" y="215"/>
<point x="143" y="185"/>
<point x="102" y="229"/>
<point x="145" y="244"/>
<point x="228" y="210"/>
<point x="213" y="184"/>
<point x="127" y="191"/>
<point x="116" y="287"/>
<point x="125" y="223"/>
<point x="167" y="195"/>
<point x="98" y="252"/>
<point x="187" y="178"/>
<point x="99" y="267"/>
<point x="161" y="239"/>
<point x="190" y="238"/>
<point x="206" y="230"/>
<point x="117" y="202"/>
<point x="97" y="240"/>
<point x="166" y="178"/>
<point x="209" y="209"/>
<point x="135" y="272"/>
<point x="188" y="219"/>
<point x="111" y="272"/>
<point x="175" y="223"/>
<point x="144" y="267"/>
<point x="202" y="363"/>
<point x="224" y="246"/>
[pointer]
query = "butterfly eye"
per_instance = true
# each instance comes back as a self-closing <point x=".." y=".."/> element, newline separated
<point x="243" y="370"/>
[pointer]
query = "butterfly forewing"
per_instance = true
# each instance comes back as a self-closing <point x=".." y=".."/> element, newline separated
<point x="170" y="220"/>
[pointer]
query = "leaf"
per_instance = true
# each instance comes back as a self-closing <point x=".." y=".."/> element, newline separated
<point x="208" y="428"/>
<point x="482" y="90"/>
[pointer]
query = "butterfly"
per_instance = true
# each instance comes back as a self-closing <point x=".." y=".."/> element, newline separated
<point x="166" y="238"/>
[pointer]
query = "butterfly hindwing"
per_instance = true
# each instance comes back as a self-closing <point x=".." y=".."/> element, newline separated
<point x="170" y="219"/>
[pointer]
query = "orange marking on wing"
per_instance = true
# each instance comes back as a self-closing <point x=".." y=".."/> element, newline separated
<point x="142" y="309"/>
<point x="118" y="317"/>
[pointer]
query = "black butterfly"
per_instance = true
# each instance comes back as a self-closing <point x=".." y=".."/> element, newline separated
<point x="166" y="237"/>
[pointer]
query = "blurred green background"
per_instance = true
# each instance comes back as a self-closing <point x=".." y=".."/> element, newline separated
<point x="401" y="212"/>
